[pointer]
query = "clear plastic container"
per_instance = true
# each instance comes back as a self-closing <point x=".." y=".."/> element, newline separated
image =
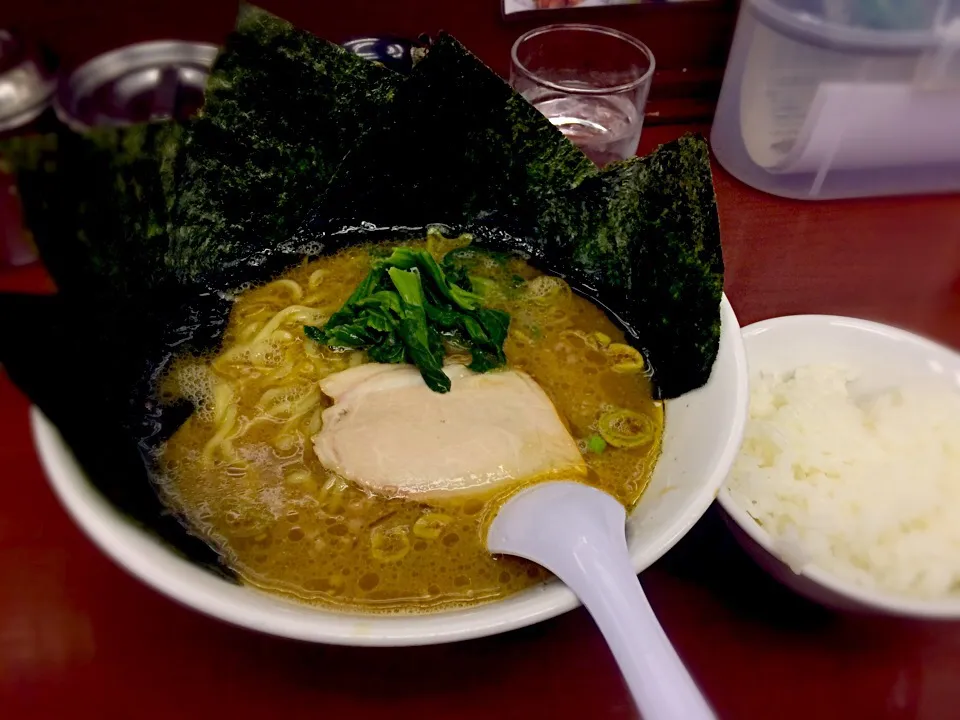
<point x="843" y="98"/>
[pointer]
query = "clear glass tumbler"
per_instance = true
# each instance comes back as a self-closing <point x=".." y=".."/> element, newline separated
<point x="590" y="81"/>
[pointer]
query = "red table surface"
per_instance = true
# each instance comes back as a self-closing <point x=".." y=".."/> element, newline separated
<point x="79" y="636"/>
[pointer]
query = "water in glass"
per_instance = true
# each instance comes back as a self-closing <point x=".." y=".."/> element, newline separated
<point x="606" y="127"/>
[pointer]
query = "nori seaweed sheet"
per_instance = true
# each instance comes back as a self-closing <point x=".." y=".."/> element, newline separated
<point x="282" y="108"/>
<point x="99" y="206"/>
<point x="456" y="144"/>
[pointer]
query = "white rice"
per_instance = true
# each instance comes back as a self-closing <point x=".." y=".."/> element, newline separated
<point x="867" y="489"/>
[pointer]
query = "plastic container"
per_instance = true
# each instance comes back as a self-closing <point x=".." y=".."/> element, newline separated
<point x="850" y="98"/>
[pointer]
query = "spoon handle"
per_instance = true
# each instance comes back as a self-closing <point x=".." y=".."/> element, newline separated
<point x="580" y="538"/>
<point x="604" y="579"/>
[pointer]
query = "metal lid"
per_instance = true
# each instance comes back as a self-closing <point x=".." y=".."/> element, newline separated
<point x="138" y="83"/>
<point x="26" y="81"/>
<point x="394" y="53"/>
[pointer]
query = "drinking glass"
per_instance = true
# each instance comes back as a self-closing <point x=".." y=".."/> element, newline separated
<point x="590" y="81"/>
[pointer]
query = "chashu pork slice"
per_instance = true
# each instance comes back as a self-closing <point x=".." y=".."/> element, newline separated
<point x="388" y="432"/>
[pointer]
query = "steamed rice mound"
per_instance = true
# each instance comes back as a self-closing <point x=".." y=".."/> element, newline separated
<point x="867" y="489"/>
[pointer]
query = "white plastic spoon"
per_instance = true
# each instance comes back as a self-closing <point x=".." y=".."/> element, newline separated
<point x="577" y="532"/>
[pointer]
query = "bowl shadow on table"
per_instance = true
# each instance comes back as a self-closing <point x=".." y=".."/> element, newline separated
<point x="710" y="557"/>
<point x="565" y="651"/>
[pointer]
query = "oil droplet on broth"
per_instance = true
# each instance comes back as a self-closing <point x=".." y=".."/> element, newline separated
<point x="368" y="582"/>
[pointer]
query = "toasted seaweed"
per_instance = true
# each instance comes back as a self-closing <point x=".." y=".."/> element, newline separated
<point x="282" y="108"/>
<point x="457" y="144"/>
<point x="99" y="204"/>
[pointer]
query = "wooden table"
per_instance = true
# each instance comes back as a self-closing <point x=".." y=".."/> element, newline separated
<point x="79" y="636"/>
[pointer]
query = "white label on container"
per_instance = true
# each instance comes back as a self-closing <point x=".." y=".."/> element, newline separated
<point x="805" y="108"/>
<point x="871" y="125"/>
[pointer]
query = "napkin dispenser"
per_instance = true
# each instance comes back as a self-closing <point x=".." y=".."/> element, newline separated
<point x="817" y="106"/>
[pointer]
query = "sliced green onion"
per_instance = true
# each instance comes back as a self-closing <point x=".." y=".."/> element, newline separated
<point x="389" y="544"/>
<point x="626" y="359"/>
<point x="603" y="340"/>
<point x="625" y="428"/>
<point x="430" y="525"/>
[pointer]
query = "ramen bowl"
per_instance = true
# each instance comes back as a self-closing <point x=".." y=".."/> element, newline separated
<point x="701" y="438"/>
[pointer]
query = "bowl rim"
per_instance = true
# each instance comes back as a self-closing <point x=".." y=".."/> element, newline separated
<point x="141" y="555"/>
<point x="876" y="600"/>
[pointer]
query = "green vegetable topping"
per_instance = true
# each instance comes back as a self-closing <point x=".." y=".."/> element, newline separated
<point x="596" y="444"/>
<point x="406" y="308"/>
<point x="625" y="428"/>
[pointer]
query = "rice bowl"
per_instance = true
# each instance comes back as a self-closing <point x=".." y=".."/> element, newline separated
<point x="885" y="358"/>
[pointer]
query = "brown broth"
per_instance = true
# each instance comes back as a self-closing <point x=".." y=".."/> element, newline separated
<point x="243" y="472"/>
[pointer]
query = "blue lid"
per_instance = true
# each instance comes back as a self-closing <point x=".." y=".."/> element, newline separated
<point x="394" y="53"/>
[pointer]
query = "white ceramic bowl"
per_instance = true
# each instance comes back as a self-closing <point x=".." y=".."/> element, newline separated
<point x="887" y="356"/>
<point x="702" y="435"/>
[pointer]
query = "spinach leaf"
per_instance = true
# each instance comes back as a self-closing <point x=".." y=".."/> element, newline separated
<point x="405" y="309"/>
<point x="282" y="109"/>
<point x="425" y="352"/>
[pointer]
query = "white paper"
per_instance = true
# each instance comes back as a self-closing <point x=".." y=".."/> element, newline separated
<point x="515" y="6"/>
